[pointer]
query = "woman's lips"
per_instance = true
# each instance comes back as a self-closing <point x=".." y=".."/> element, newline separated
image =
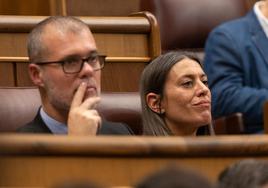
<point x="202" y="104"/>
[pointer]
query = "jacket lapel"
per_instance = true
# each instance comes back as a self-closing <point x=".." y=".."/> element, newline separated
<point x="258" y="36"/>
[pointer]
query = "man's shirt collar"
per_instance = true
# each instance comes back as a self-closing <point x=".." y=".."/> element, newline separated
<point x="261" y="18"/>
<point x="54" y="126"/>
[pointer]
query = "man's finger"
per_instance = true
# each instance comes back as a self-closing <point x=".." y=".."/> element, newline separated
<point x="91" y="103"/>
<point x="79" y="95"/>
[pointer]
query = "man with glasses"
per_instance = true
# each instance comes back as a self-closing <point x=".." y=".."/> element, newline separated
<point x="65" y="65"/>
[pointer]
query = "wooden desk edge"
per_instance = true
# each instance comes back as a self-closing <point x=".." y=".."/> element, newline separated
<point x="210" y="146"/>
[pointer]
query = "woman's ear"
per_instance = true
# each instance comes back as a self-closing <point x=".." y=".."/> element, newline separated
<point x="153" y="101"/>
<point x="36" y="74"/>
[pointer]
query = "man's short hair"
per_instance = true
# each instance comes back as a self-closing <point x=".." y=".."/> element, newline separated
<point x="35" y="44"/>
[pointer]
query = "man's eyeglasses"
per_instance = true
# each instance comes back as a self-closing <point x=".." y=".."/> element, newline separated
<point x="75" y="64"/>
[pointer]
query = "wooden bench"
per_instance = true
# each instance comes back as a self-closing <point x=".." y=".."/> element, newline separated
<point x="40" y="160"/>
<point x="129" y="43"/>
<point x="265" y="117"/>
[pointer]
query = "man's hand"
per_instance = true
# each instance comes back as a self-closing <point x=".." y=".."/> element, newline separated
<point x="83" y="119"/>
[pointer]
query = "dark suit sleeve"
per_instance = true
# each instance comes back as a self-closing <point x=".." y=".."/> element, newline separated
<point x="226" y="68"/>
<point x="112" y="128"/>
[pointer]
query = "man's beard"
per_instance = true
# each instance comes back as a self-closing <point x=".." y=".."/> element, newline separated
<point x="58" y="99"/>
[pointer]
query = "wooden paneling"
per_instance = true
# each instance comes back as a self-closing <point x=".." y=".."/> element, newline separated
<point x="22" y="7"/>
<point x="23" y="78"/>
<point x="117" y="161"/>
<point x="12" y="44"/>
<point x="7" y="75"/>
<point x="94" y="7"/>
<point x="129" y="43"/>
<point x="122" y="76"/>
<point x="122" y="45"/>
<point x="69" y="7"/>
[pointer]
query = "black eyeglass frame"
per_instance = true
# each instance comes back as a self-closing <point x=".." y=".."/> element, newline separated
<point x="101" y="59"/>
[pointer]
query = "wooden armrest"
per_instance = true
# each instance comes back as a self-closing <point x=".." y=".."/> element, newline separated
<point x="265" y="117"/>
<point x="232" y="124"/>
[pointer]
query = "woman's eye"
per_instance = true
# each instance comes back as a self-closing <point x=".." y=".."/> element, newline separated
<point x="205" y="82"/>
<point x="187" y="84"/>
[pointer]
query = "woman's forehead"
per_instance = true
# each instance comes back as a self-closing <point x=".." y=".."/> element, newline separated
<point x="187" y="67"/>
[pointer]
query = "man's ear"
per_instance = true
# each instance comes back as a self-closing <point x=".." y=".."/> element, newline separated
<point x="36" y="74"/>
<point x="153" y="101"/>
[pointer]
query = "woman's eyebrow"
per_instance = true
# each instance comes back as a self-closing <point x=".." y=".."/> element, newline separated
<point x="187" y="76"/>
<point x="204" y="75"/>
<point x="192" y="75"/>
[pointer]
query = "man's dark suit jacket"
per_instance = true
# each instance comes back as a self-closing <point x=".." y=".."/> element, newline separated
<point x="107" y="128"/>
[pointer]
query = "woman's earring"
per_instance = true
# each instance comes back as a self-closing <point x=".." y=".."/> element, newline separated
<point x="162" y="111"/>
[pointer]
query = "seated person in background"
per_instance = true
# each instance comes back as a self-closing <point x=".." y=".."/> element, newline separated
<point x="65" y="65"/>
<point x="174" y="95"/>
<point x="247" y="173"/>
<point x="174" y="177"/>
<point x="236" y="62"/>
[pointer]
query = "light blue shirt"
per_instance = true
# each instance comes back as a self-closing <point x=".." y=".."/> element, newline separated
<point x="262" y="19"/>
<point x="54" y="126"/>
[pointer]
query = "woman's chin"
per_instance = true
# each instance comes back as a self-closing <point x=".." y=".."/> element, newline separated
<point x="205" y="119"/>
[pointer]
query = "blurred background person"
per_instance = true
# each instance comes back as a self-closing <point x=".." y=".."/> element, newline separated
<point x="236" y="63"/>
<point x="247" y="173"/>
<point x="173" y="176"/>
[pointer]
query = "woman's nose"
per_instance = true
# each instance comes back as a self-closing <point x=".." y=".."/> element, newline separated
<point x="202" y="89"/>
